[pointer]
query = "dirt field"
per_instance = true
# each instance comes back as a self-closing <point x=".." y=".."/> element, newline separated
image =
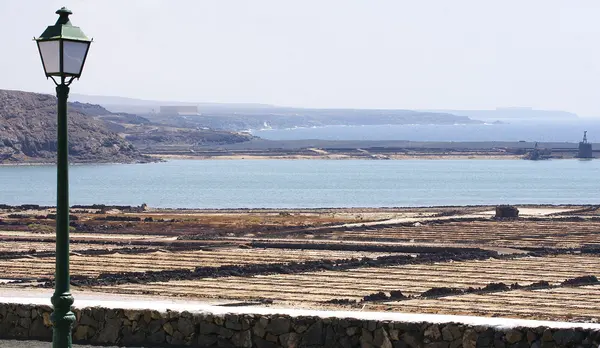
<point x="450" y="260"/>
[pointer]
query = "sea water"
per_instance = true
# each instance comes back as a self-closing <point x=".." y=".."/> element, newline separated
<point x="310" y="183"/>
<point x="510" y="130"/>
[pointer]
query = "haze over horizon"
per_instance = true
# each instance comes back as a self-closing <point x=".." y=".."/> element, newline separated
<point x="384" y="54"/>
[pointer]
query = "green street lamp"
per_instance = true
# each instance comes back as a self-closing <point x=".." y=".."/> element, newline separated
<point x="63" y="49"/>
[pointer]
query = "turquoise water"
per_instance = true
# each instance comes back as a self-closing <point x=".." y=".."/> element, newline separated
<point x="311" y="183"/>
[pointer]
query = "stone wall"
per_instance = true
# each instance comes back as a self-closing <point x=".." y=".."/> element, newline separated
<point x="104" y="326"/>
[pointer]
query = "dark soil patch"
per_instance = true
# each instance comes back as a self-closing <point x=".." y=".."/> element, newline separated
<point x="23" y="207"/>
<point x="583" y="280"/>
<point x="495" y="287"/>
<point x="397" y="295"/>
<point x="542" y="284"/>
<point x="378" y="296"/>
<point x="442" y="291"/>
<point x="341" y="302"/>
<point x="499" y="287"/>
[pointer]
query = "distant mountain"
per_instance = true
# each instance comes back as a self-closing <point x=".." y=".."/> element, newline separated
<point x="28" y="132"/>
<point x="516" y="113"/>
<point x="240" y="117"/>
<point x="280" y="118"/>
<point x="142" y="106"/>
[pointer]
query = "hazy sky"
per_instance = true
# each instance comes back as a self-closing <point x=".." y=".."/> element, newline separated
<point x="324" y="53"/>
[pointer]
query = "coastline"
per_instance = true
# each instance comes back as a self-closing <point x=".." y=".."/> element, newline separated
<point x="433" y="157"/>
<point x="261" y="149"/>
<point x="358" y="149"/>
<point x="46" y="163"/>
<point x="299" y="157"/>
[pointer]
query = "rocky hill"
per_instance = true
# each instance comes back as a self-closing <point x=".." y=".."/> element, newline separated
<point x="280" y="118"/>
<point x="240" y="117"/>
<point x="150" y="139"/>
<point x="28" y="132"/>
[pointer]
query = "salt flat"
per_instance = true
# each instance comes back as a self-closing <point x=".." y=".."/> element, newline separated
<point x="450" y="261"/>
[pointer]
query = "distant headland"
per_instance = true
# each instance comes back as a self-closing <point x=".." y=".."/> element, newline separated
<point x="123" y="130"/>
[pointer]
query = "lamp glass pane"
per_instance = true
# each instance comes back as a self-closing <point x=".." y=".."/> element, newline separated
<point x="50" y="56"/>
<point x="73" y="56"/>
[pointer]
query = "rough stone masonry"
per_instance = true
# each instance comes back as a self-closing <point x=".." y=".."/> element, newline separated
<point x="150" y="328"/>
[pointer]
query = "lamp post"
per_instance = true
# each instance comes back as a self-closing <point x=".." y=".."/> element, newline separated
<point x="63" y="49"/>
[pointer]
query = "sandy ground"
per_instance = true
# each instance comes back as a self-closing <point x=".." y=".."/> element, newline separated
<point x="506" y="239"/>
<point x="523" y="212"/>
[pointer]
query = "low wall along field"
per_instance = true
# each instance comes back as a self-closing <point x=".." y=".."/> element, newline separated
<point x="150" y="328"/>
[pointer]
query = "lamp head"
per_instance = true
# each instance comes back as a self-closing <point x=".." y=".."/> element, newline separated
<point x="63" y="47"/>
